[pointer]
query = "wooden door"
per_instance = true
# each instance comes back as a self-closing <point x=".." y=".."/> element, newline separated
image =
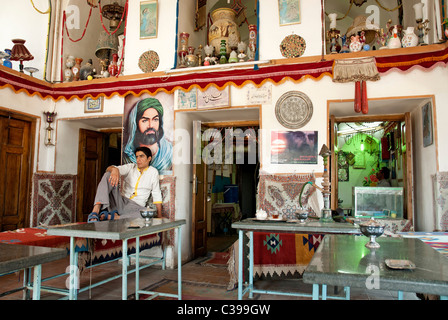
<point x="333" y="163"/>
<point x="90" y="170"/>
<point x="408" y="171"/>
<point x="199" y="194"/>
<point x="15" y="172"/>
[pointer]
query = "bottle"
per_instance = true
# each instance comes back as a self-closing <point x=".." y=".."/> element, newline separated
<point x="113" y="67"/>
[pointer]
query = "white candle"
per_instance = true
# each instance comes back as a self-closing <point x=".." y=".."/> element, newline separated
<point x="332" y="17"/>
<point x="418" y="8"/>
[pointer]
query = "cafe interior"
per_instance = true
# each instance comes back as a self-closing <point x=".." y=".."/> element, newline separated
<point x="280" y="116"/>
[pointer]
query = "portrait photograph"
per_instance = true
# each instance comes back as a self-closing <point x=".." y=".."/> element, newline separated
<point x="148" y="120"/>
<point x="294" y="147"/>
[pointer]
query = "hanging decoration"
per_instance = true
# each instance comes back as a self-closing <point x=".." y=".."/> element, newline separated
<point x="359" y="71"/>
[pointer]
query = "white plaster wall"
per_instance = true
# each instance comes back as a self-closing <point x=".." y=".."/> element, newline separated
<point x="69" y="114"/>
<point x="164" y="44"/>
<point x="271" y="34"/>
<point x="15" y="16"/>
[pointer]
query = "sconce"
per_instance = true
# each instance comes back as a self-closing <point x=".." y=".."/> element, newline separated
<point x="49" y="130"/>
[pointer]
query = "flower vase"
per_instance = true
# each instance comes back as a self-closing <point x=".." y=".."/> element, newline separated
<point x="224" y="27"/>
<point x="182" y="51"/>
<point x="191" y="60"/>
<point x="77" y="69"/>
<point x="410" y="39"/>
<point x="252" y="42"/>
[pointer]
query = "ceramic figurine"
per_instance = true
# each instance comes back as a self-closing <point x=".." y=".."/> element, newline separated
<point x="6" y="61"/>
<point x="242" y="49"/>
<point x="382" y="38"/>
<point x="233" y="55"/>
<point x="344" y="46"/>
<point x="355" y="44"/>
<point x="394" y="41"/>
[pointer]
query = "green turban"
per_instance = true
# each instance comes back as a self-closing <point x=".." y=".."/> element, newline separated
<point x="147" y="103"/>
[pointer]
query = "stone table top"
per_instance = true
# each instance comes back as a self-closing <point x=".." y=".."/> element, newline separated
<point x="343" y="260"/>
<point x="15" y="257"/>
<point x="310" y="226"/>
<point x="115" y="229"/>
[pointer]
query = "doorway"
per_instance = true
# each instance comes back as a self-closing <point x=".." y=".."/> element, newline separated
<point x="363" y="146"/>
<point x="231" y="186"/>
<point x="209" y="181"/>
<point x="97" y="150"/>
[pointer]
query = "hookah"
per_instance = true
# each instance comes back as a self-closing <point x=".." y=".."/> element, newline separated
<point x="326" y="210"/>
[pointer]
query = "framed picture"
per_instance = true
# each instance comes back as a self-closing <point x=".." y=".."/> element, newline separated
<point x="213" y="98"/>
<point x="427" y="125"/>
<point x="148" y="19"/>
<point x="294" y="147"/>
<point x="289" y="11"/>
<point x="360" y="160"/>
<point x="187" y="100"/>
<point x="93" y="105"/>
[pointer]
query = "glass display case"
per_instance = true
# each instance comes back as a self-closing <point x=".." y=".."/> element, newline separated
<point x="378" y="202"/>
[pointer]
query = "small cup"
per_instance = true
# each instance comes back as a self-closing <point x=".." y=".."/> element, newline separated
<point x="275" y="215"/>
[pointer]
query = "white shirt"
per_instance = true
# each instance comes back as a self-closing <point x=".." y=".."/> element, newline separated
<point x="137" y="185"/>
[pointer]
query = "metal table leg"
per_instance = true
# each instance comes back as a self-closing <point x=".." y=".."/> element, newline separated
<point x="124" y="275"/>
<point x="179" y="263"/>
<point x="137" y="266"/>
<point x="37" y="282"/>
<point x="240" y="264"/>
<point x="73" y="269"/>
<point x="251" y="264"/>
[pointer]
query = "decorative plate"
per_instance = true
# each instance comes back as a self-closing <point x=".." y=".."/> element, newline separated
<point x="293" y="109"/>
<point x="148" y="61"/>
<point x="293" y="46"/>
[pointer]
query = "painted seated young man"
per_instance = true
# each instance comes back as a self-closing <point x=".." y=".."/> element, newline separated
<point x="139" y="181"/>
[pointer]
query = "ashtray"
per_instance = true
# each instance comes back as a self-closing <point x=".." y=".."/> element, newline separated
<point x="400" y="264"/>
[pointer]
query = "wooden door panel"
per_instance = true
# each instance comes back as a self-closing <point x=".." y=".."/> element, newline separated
<point x="90" y="170"/>
<point x="199" y="194"/>
<point x="14" y="172"/>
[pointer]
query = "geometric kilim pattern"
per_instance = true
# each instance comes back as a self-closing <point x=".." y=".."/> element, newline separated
<point x="273" y="242"/>
<point x="54" y="199"/>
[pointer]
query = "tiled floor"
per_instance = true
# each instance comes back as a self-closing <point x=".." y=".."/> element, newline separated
<point x="191" y="271"/>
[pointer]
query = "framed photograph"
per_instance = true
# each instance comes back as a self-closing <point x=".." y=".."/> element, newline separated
<point x="213" y="98"/>
<point x="93" y="105"/>
<point x="294" y="147"/>
<point x="289" y="12"/>
<point x="427" y="125"/>
<point x="148" y="19"/>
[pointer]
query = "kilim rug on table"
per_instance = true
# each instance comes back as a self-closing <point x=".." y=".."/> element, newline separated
<point x="191" y="291"/>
